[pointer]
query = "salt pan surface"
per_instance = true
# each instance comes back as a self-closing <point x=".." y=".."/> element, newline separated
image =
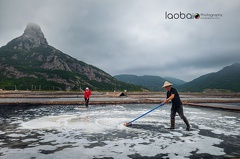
<point x="99" y="132"/>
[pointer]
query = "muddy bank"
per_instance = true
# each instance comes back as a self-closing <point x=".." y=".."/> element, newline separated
<point x="105" y="98"/>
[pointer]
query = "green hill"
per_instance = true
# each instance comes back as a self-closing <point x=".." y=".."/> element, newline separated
<point x="175" y="81"/>
<point x="153" y="83"/>
<point x="227" y="79"/>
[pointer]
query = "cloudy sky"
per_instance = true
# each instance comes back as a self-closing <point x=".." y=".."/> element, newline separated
<point x="134" y="36"/>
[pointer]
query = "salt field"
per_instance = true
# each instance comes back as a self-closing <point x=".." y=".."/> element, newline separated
<point x="67" y="131"/>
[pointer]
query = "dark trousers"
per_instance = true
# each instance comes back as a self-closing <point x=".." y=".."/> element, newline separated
<point x="86" y="102"/>
<point x="179" y="110"/>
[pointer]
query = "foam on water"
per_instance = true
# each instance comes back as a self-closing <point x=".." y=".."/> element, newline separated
<point x="99" y="132"/>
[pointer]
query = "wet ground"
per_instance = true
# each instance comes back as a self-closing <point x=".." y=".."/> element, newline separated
<point x="66" y="131"/>
<point x="33" y="98"/>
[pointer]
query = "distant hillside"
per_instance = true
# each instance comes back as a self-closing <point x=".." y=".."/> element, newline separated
<point x="227" y="79"/>
<point x="28" y="62"/>
<point x="175" y="81"/>
<point x="153" y="83"/>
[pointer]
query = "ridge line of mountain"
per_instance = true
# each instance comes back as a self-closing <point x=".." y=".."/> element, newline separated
<point x="28" y="62"/>
<point x="224" y="80"/>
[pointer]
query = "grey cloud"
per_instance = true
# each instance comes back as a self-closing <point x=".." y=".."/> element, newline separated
<point x="132" y="36"/>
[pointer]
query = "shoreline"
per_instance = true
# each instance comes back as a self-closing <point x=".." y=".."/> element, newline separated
<point x="35" y="98"/>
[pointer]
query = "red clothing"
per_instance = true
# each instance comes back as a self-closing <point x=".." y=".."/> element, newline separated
<point x="87" y="93"/>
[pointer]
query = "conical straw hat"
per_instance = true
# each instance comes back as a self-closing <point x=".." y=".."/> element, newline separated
<point x="166" y="83"/>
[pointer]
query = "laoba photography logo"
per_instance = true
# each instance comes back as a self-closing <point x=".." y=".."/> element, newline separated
<point x="197" y="16"/>
<point x="182" y="15"/>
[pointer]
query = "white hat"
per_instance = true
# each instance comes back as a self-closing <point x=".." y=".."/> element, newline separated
<point x="87" y="88"/>
<point x="166" y="83"/>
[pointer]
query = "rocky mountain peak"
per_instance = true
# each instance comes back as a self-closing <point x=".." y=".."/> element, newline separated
<point x="29" y="60"/>
<point x="31" y="38"/>
<point x="34" y="34"/>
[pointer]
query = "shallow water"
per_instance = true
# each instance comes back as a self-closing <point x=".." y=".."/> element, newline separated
<point x="48" y="132"/>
